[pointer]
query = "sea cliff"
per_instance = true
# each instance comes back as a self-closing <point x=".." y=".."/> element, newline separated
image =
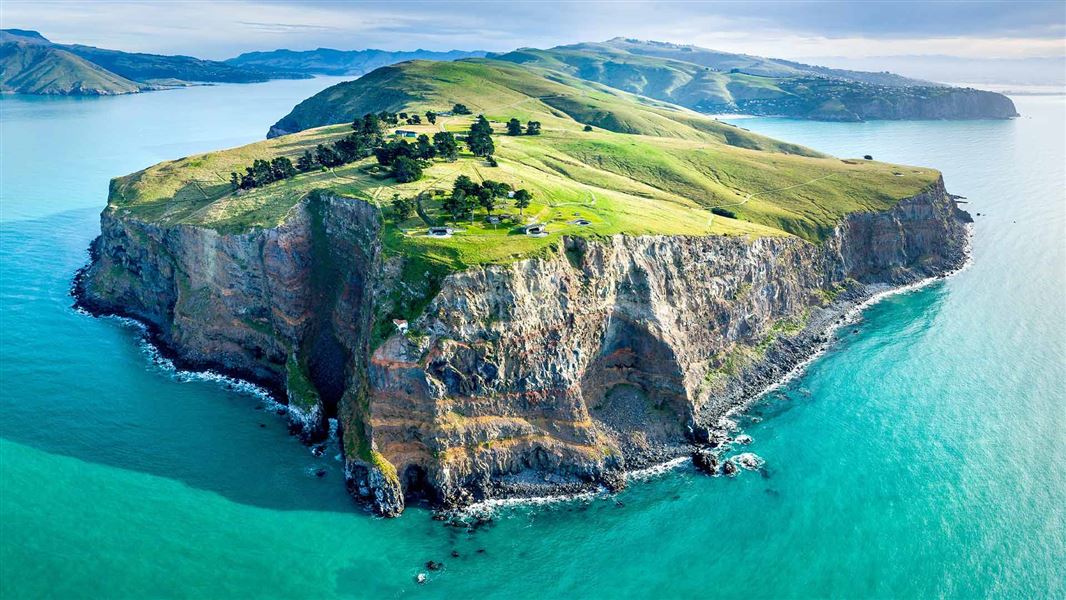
<point x="547" y="375"/>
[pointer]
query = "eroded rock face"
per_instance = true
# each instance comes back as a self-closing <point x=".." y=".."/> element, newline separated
<point x="546" y="375"/>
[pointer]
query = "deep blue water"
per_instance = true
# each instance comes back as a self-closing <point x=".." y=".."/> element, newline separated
<point x="924" y="456"/>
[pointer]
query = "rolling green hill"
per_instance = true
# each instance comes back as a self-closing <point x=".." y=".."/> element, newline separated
<point x="148" y="67"/>
<point x="44" y="69"/>
<point x="744" y="63"/>
<point x="31" y="64"/>
<point x="716" y="82"/>
<point x="500" y="89"/>
<point x="658" y="169"/>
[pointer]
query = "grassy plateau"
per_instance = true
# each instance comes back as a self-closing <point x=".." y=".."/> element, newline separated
<point x="646" y="167"/>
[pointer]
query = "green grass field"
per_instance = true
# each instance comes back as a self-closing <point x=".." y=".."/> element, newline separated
<point x="660" y="173"/>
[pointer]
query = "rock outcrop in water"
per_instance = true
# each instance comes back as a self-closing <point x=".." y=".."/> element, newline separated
<point x="552" y="374"/>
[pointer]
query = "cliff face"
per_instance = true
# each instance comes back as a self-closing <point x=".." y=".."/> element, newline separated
<point x="548" y="374"/>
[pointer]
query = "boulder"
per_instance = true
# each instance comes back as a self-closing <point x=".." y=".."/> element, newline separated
<point x="705" y="461"/>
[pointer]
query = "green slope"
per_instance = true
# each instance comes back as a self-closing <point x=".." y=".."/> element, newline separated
<point x="711" y="81"/>
<point x="144" y="67"/>
<point x="665" y="179"/>
<point x="29" y="68"/>
<point x="501" y="89"/>
<point x="31" y="64"/>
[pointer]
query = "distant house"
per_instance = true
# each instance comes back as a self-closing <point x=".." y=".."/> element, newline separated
<point x="407" y="133"/>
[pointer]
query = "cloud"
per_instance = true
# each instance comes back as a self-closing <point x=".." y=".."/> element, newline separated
<point x="785" y="29"/>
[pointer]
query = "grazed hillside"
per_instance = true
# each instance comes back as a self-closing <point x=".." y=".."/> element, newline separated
<point x="711" y="81"/>
<point x="32" y="64"/>
<point x="47" y="70"/>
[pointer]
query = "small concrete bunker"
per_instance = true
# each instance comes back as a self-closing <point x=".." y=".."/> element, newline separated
<point x="441" y="232"/>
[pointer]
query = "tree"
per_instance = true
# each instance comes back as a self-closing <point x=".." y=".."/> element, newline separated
<point x="403" y="115"/>
<point x="326" y="156"/>
<point x="460" y="109"/>
<point x="514" y="127"/>
<point x="466" y="185"/>
<point x="306" y="162"/>
<point x="481" y="145"/>
<point x="390" y="152"/>
<point x="724" y="212"/>
<point x="489" y="191"/>
<point x="498" y="189"/>
<point x="262" y="174"/>
<point x="348" y="148"/>
<point x="431" y="117"/>
<point x="414" y="120"/>
<point x="282" y="168"/>
<point x="401" y="207"/>
<point x="370" y="124"/>
<point x="521" y="200"/>
<point x="868" y="157"/>
<point x="234" y="181"/>
<point x="588" y="127"/>
<point x="481" y="126"/>
<point x="533" y="128"/>
<point x="406" y="169"/>
<point x="487" y="199"/>
<point x="446" y="145"/>
<point x="425" y="149"/>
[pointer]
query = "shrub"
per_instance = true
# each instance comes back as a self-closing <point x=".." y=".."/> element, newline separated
<point x="724" y="212"/>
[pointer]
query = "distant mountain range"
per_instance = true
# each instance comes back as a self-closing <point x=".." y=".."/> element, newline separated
<point x="326" y="61"/>
<point x="719" y="82"/>
<point x="31" y="64"/>
<point x="697" y="78"/>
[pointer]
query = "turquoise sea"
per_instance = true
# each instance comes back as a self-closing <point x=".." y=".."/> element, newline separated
<point x="923" y="456"/>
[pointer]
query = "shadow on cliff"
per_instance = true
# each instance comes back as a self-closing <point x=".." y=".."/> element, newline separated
<point x="86" y="388"/>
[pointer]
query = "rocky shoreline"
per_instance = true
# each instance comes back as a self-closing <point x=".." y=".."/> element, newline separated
<point x="707" y="446"/>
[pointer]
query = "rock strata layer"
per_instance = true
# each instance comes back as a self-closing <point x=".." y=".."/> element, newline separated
<point x="549" y="375"/>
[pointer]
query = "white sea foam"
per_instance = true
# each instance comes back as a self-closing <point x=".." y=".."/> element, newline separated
<point x="848" y="318"/>
<point x="492" y="505"/>
<point x="748" y="460"/>
<point x="656" y="470"/>
<point x="156" y="357"/>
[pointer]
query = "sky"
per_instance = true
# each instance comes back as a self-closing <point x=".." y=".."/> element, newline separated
<point x="968" y="38"/>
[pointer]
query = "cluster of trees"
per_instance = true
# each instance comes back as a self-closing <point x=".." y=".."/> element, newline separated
<point x="514" y="127"/>
<point x="263" y="172"/>
<point x="467" y="195"/>
<point x="407" y="160"/>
